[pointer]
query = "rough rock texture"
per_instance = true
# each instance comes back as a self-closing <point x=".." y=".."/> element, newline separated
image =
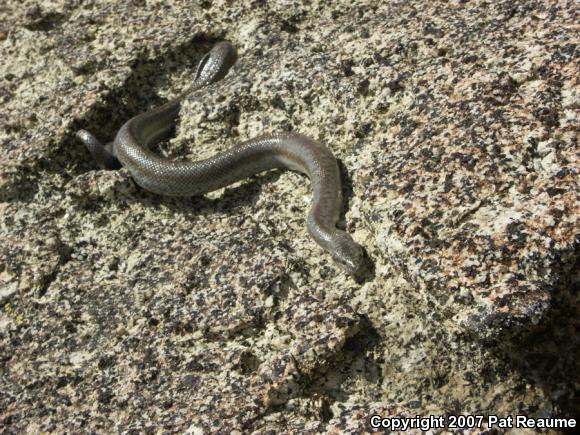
<point x="457" y="125"/>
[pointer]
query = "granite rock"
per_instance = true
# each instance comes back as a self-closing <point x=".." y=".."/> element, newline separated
<point x="456" y="125"/>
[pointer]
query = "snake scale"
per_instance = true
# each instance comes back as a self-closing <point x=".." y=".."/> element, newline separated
<point x="131" y="149"/>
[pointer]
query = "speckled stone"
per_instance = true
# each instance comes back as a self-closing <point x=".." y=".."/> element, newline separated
<point x="456" y="124"/>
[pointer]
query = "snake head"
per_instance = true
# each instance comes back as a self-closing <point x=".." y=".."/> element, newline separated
<point x="347" y="253"/>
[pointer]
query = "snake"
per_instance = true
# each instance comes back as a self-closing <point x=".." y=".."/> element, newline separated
<point x="132" y="145"/>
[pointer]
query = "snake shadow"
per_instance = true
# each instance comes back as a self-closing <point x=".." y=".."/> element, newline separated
<point x="368" y="271"/>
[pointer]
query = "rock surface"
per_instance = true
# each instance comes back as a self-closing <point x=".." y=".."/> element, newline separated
<point x="456" y="123"/>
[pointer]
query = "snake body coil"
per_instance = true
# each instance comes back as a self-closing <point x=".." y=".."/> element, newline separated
<point x="132" y="144"/>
